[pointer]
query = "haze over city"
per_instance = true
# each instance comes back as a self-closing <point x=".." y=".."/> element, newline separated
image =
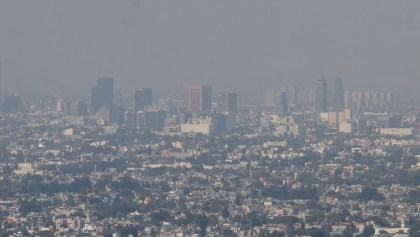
<point x="243" y="45"/>
<point x="210" y="118"/>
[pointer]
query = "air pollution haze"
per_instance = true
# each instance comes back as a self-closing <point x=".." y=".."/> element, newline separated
<point x="194" y="118"/>
<point x="239" y="44"/>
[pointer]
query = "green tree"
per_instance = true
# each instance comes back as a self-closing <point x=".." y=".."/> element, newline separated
<point x="370" y="193"/>
<point x="368" y="230"/>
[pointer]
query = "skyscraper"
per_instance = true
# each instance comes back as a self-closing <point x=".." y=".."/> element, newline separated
<point x="200" y="98"/>
<point x="321" y="95"/>
<point x="15" y="102"/>
<point x="142" y="98"/>
<point x="116" y="115"/>
<point x="232" y="102"/>
<point x="207" y="98"/>
<point x="227" y="102"/>
<point x="82" y="108"/>
<point x="293" y="95"/>
<point x="102" y="94"/>
<point x="282" y="104"/>
<point x="155" y="118"/>
<point x="338" y="95"/>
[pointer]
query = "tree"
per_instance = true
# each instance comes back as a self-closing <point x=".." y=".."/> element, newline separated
<point x="368" y="230"/>
<point x="70" y="201"/>
<point x="81" y="185"/>
<point x="225" y="212"/>
<point x="414" y="177"/>
<point x="414" y="227"/>
<point x="273" y="234"/>
<point x="129" y="230"/>
<point x="370" y="193"/>
<point x="347" y="233"/>
<point x="229" y="233"/>
<point x="315" y="232"/>
<point x="201" y="221"/>
<point x="160" y="216"/>
<point x="30" y="206"/>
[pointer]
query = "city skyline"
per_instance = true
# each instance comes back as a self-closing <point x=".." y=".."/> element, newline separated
<point x="323" y="98"/>
<point x="189" y="118"/>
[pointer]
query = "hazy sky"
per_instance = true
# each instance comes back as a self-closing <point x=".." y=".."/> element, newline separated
<point x="231" y="44"/>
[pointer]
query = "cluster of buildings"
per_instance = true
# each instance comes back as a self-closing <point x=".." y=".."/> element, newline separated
<point x="82" y="180"/>
<point x="294" y="111"/>
<point x="290" y="111"/>
<point x="200" y="114"/>
<point x="209" y="166"/>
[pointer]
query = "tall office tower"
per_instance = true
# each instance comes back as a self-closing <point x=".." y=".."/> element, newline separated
<point x="116" y="115"/>
<point x="321" y="95"/>
<point x="270" y="98"/>
<point x="78" y="108"/>
<point x="207" y="98"/>
<point x="221" y="101"/>
<point x="134" y="119"/>
<point x="359" y="101"/>
<point x="15" y="102"/>
<point x="59" y="107"/>
<point x="385" y="99"/>
<point x="348" y="102"/>
<point x="338" y="95"/>
<point x="282" y="104"/>
<point x="200" y="98"/>
<point x="155" y="118"/>
<point x="367" y="99"/>
<point x="311" y="96"/>
<point x="82" y="108"/>
<point x="102" y="94"/>
<point x="375" y="97"/>
<point x="227" y="102"/>
<point x="232" y="102"/>
<point x="293" y="95"/>
<point x="142" y="98"/>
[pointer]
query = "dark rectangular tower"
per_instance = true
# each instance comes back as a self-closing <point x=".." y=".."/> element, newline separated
<point x="338" y="95"/>
<point x="199" y="98"/>
<point x="282" y="104"/>
<point x="227" y="102"/>
<point x="142" y="98"/>
<point x="321" y="96"/>
<point x="102" y="95"/>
